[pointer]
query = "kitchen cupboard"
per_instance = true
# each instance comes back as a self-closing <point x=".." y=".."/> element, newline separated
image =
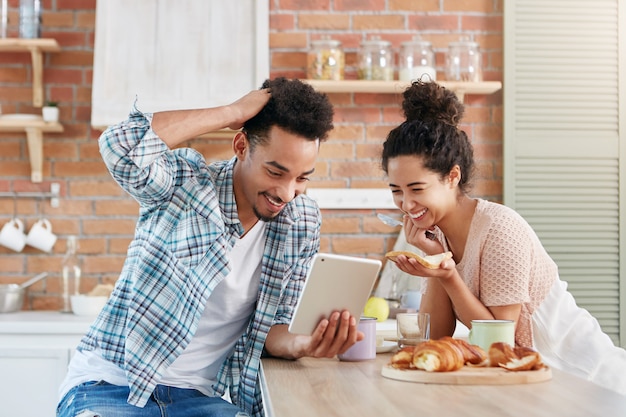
<point x="35" y="349"/>
<point x="32" y="125"/>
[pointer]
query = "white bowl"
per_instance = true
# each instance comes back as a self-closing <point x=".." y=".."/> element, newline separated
<point x="86" y="305"/>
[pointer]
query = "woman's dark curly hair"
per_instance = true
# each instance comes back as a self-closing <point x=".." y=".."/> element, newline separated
<point x="430" y="131"/>
<point x="295" y="107"/>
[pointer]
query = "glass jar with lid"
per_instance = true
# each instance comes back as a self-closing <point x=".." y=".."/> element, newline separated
<point x="325" y="60"/>
<point x="464" y="61"/>
<point x="375" y="60"/>
<point x="417" y="61"/>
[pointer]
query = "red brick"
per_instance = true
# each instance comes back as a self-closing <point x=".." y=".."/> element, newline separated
<point x="354" y="245"/>
<point x="86" y="20"/>
<point x="116" y="208"/>
<point x="341" y="225"/>
<point x="337" y="150"/>
<point x="478" y="23"/>
<point x="13" y="75"/>
<point x="323" y="21"/>
<point x="79" y="169"/>
<point x="76" y="4"/>
<point x="360" y="169"/>
<point x="95" y="188"/>
<point x="288" y="40"/>
<point x="363" y="115"/>
<point x="482" y="6"/>
<point x="282" y="22"/>
<point x="439" y="23"/>
<point x="286" y="60"/>
<point x="71" y="58"/>
<point x="369" y="151"/>
<point x="10" y="149"/>
<point x="343" y="132"/>
<point x="101" y="264"/>
<point x="359" y="5"/>
<point x="57" y="20"/>
<point x="109" y="227"/>
<point x="119" y="245"/>
<point x="413" y="5"/>
<point x="304" y="4"/>
<point x="373" y="22"/>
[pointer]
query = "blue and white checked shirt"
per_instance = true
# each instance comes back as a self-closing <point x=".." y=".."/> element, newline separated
<point x="187" y="223"/>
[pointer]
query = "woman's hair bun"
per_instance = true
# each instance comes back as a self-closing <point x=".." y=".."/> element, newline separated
<point x="430" y="102"/>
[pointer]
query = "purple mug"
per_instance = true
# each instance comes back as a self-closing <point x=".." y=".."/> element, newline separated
<point x="366" y="348"/>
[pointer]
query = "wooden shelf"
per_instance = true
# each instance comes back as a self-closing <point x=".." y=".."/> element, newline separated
<point x="34" y="129"/>
<point x="397" y="87"/>
<point x="36" y="47"/>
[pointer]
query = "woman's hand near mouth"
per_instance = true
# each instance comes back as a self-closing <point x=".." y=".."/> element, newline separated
<point x="420" y="237"/>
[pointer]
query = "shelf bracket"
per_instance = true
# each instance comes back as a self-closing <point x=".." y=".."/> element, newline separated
<point x="35" y="150"/>
<point x="37" y="58"/>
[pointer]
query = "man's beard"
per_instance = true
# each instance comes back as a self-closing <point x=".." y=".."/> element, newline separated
<point x="262" y="217"/>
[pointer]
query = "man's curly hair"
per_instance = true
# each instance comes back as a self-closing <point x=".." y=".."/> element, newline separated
<point x="295" y="107"/>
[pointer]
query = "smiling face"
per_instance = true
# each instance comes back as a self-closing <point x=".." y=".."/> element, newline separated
<point x="272" y="174"/>
<point x="420" y="192"/>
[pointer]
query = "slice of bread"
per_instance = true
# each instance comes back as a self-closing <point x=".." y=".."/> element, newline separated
<point x="429" y="261"/>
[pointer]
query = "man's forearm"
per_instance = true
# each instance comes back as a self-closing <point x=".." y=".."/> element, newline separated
<point x="178" y="126"/>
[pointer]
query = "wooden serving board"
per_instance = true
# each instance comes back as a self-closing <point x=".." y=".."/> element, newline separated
<point x="469" y="376"/>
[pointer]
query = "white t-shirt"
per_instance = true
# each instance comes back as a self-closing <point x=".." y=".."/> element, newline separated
<point x="224" y="319"/>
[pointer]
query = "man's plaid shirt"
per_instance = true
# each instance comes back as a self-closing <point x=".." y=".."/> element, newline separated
<point x="187" y="223"/>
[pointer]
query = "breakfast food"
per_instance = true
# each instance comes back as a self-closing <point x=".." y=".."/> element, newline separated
<point x="449" y="354"/>
<point x="500" y="353"/>
<point x="514" y="359"/>
<point x="472" y="354"/>
<point x="403" y="359"/>
<point x="438" y="356"/>
<point x="429" y="261"/>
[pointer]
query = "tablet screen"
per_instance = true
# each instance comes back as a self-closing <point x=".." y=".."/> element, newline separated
<point x="334" y="283"/>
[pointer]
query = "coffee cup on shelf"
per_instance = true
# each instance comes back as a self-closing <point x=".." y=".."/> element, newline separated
<point x="40" y="236"/>
<point x="12" y="235"/>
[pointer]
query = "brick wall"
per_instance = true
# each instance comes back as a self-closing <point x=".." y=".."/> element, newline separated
<point x="103" y="217"/>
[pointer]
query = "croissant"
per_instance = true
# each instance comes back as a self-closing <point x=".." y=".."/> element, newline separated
<point x="472" y="354"/>
<point x="438" y="356"/>
<point x="403" y="359"/>
<point x="501" y="353"/>
<point x="514" y="359"/>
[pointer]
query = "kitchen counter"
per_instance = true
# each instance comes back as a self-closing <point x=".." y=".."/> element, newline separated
<point x="44" y="322"/>
<point x="328" y="387"/>
<point x="35" y="349"/>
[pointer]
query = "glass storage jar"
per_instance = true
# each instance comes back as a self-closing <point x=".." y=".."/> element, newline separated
<point x="375" y="60"/>
<point x="464" y="61"/>
<point x="416" y="61"/>
<point x="325" y="60"/>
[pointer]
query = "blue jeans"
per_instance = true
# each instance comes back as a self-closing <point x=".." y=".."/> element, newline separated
<point x="101" y="399"/>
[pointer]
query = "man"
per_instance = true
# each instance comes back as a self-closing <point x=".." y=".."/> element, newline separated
<point x="219" y="258"/>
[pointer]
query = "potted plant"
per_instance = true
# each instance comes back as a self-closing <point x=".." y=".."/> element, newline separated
<point x="50" y="112"/>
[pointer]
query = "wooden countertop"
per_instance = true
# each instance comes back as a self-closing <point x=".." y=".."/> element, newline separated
<point x="328" y="387"/>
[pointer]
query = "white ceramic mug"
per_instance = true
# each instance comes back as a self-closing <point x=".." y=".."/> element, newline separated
<point x="12" y="235"/>
<point x="40" y="236"/>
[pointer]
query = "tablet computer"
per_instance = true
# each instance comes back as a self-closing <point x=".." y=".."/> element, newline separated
<point x="334" y="283"/>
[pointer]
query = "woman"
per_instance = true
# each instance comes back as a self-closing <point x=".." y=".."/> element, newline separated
<point x="499" y="268"/>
